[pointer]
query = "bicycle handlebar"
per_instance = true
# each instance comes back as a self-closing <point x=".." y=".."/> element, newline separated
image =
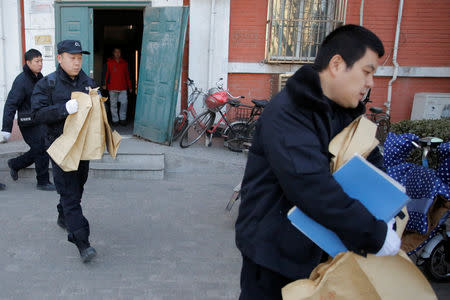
<point x="189" y="81"/>
<point x="233" y="97"/>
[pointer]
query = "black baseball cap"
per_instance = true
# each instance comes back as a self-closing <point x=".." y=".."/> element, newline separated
<point x="71" y="46"/>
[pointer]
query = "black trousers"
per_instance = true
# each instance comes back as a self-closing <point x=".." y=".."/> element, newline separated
<point x="34" y="136"/>
<point x="260" y="283"/>
<point x="70" y="187"/>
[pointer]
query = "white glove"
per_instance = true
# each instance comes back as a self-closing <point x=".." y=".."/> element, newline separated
<point x="6" y="135"/>
<point x="391" y="243"/>
<point x="72" y="106"/>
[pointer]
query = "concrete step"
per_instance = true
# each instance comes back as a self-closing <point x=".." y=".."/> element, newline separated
<point x="129" y="165"/>
<point x="126" y="165"/>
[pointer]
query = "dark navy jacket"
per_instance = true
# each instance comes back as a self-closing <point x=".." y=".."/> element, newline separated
<point x="19" y="97"/>
<point x="48" y="102"/>
<point x="288" y="164"/>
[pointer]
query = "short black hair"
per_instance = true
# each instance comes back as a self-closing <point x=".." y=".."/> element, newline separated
<point x="32" y="53"/>
<point x="350" y="42"/>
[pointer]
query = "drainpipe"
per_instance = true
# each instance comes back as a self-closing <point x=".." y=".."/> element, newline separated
<point x="211" y="43"/>
<point x="361" y="13"/>
<point x="394" y="58"/>
<point x="3" y="38"/>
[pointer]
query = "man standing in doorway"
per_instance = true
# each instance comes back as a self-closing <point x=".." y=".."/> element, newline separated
<point x="117" y="82"/>
<point x="51" y="103"/>
<point x="289" y="164"/>
<point x="33" y="134"/>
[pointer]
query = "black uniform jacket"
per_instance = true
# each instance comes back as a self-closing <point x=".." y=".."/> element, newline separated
<point x="48" y="103"/>
<point x="19" y="97"/>
<point x="288" y="164"/>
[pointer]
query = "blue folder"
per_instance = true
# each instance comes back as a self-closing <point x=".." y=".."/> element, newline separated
<point x="381" y="195"/>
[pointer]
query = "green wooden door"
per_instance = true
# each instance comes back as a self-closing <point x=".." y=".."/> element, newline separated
<point x="159" y="74"/>
<point x="76" y="23"/>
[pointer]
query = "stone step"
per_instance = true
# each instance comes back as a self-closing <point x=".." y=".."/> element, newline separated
<point x="126" y="165"/>
<point x="129" y="165"/>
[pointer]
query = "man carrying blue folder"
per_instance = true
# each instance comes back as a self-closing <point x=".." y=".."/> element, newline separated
<point x="288" y="164"/>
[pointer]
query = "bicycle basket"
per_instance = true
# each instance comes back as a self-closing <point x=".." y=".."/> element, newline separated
<point x="216" y="99"/>
<point x="241" y="113"/>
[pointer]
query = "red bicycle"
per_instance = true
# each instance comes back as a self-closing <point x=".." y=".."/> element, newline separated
<point x="204" y="123"/>
<point x="182" y="120"/>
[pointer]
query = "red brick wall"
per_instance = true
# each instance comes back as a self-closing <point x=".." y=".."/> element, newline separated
<point x="252" y="86"/>
<point x="423" y="41"/>
<point x="403" y="91"/>
<point x="424" y="29"/>
<point x="247" y="30"/>
<point x="185" y="66"/>
<point x="247" y="44"/>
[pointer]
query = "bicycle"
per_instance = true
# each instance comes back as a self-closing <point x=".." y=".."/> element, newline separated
<point x="203" y="124"/>
<point x="182" y="120"/>
<point x="242" y="130"/>
<point x="379" y="117"/>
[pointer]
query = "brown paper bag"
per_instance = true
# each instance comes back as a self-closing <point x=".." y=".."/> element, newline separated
<point x="357" y="137"/>
<point x="94" y="144"/>
<point x="67" y="149"/>
<point x="85" y="133"/>
<point x="113" y="139"/>
<point x="348" y="275"/>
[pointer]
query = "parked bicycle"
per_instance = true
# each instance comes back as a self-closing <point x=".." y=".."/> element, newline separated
<point x="241" y="131"/>
<point x="182" y="120"/>
<point x="204" y="123"/>
<point x="379" y="117"/>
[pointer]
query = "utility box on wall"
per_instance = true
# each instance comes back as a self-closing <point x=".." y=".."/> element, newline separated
<point x="431" y="106"/>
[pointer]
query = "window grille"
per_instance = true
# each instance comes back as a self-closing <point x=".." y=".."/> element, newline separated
<point x="297" y="27"/>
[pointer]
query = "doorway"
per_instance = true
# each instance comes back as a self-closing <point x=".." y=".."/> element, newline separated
<point x="119" y="28"/>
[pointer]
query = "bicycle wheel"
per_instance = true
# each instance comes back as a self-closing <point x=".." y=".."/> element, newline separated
<point x="197" y="128"/>
<point x="238" y="134"/>
<point x="437" y="265"/>
<point x="180" y="124"/>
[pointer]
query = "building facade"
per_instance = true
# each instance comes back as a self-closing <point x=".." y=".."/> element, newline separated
<point x="254" y="45"/>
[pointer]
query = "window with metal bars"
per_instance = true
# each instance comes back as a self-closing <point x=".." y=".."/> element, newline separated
<point x="297" y="27"/>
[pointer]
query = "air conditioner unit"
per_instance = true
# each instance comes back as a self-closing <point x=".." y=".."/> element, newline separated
<point x="430" y="106"/>
<point x="282" y="79"/>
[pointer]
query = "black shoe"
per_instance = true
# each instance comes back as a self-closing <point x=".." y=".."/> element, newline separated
<point x="123" y="122"/>
<point x="87" y="254"/>
<point x="86" y="251"/>
<point x="14" y="174"/>
<point x="81" y="239"/>
<point x="61" y="222"/>
<point x="46" y="187"/>
<point x="2" y="187"/>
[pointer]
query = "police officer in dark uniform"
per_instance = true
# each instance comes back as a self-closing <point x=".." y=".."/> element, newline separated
<point x="33" y="134"/>
<point x="51" y="103"/>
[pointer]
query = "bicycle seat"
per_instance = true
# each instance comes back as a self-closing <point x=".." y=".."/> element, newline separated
<point x="376" y="110"/>
<point x="260" y="103"/>
<point x="234" y="103"/>
<point x="433" y="142"/>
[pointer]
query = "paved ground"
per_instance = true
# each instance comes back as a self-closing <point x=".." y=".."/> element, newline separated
<point x="155" y="239"/>
<point x="165" y="239"/>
